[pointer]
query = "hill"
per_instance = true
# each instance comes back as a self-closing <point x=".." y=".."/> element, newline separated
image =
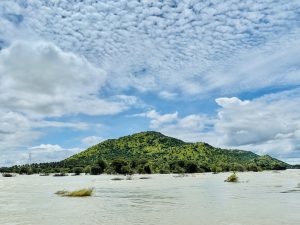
<point x="153" y="152"/>
<point x="163" y="154"/>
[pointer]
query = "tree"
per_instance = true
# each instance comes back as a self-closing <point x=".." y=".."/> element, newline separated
<point x="117" y="165"/>
<point x="191" y="167"/>
<point x="87" y="170"/>
<point x="102" y="163"/>
<point x="96" y="170"/>
<point x="148" y="169"/>
<point x="77" y="170"/>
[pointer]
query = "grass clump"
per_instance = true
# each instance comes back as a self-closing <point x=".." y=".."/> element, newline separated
<point x="44" y="174"/>
<point x="60" y="175"/>
<point x="232" y="178"/>
<point x="117" y="178"/>
<point x="7" y="175"/>
<point x="78" y="193"/>
<point x="145" y="178"/>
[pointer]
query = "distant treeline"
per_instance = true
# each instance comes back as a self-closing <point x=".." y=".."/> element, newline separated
<point x="143" y="166"/>
<point x="153" y="152"/>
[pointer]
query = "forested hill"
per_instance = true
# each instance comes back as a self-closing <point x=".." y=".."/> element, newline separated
<point x="153" y="152"/>
<point x="162" y="154"/>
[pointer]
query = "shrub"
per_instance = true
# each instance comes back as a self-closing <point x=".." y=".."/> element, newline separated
<point x="102" y="163"/>
<point x="216" y="169"/>
<point x="191" y="167"/>
<point x="96" y="170"/>
<point x="87" y="170"/>
<point x="24" y="170"/>
<point x="253" y="167"/>
<point x="44" y="174"/>
<point x="126" y="170"/>
<point x="232" y="178"/>
<point x="148" y="169"/>
<point x="238" y="167"/>
<point x="118" y="164"/>
<point x="117" y="178"/>
<point x="60" y="174"/>
<point x="77" y="170"/>
<point x="7" y="175"/>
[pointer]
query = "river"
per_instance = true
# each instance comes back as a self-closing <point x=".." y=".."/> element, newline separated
<point x="263" y="198"/>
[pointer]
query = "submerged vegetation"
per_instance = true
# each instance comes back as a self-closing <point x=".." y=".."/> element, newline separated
<point x="78" y="193"/>
<point x="60" y="174"/>
<point x="7" y="175"/>
<point x="152" y="152"/>
<point x="232" y="178"/>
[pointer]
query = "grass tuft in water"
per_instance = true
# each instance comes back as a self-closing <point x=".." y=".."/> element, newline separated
<point x="117" y="178"/>
<point x="7" y="175"/>
<point x="60" y="175"/>
<point x="232" y="178"/>
<point x="145" y="178"/>
<point x="78" y="193"/>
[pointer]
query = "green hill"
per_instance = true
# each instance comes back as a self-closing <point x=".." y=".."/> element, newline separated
<point x="162" y="154"/>
<point x="153" y="152"/>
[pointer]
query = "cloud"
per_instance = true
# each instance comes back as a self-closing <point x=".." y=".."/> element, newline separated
<point x="40" y="84"/>
<point x="156" y="119"/>
<point x="18" y="131"/>
<point x="168" y="95"/>
<point x="39" y="79"/>
<point x="266" y="125"/>
<point x="188" y="128"/>
<point x="92" y="140"/>
<point x="15" y="131"/>
<point x="38" y="154"/>
<point x="63" y="60"/>
<point x="186" y="47"/>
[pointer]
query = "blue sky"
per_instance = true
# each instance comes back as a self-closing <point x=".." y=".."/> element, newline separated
<point x="74" y="74"/>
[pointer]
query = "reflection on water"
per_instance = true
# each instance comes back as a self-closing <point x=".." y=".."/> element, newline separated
<point x="260" y="198"/>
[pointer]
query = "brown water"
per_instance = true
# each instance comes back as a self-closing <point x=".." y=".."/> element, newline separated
<point x="265" y="198"/>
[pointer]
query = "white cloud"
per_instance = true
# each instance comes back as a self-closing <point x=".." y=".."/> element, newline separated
<point x="156" y="119"/>
<point x="168" y="95"/>
<point x="265" y="125"/>
<point x="92" y="140"/>
<point x="170" y="48"/>
<point x="188" y="46"/>
<point x="39" y="154"/>
<point x="188" y="128"/>
<point x="39" y="83"/>
<point x="262" y="122"/>
<point x="18" y="131"/>
<point x="15" y="131"/>
<point x="40" y="79"/>
<point x="230" y="102"/>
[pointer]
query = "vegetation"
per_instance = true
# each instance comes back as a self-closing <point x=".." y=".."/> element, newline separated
<point x="232" y="178"/>
<point x="79" y="193"/>
<point x="7" y="175"/>
<point x="60" y="175"/>
<point x="117" y="178"/>
<point x="77" y="170"/>
<point x="152" y="152"/>
<point x="44" y="174"/>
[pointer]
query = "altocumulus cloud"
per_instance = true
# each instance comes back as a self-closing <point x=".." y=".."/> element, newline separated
<point x="184" y="46"/>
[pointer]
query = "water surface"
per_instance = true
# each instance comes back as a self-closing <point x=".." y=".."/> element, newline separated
<point x="265" y="198"/>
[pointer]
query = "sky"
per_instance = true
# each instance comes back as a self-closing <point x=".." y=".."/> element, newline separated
<point x="73" y="74"/>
